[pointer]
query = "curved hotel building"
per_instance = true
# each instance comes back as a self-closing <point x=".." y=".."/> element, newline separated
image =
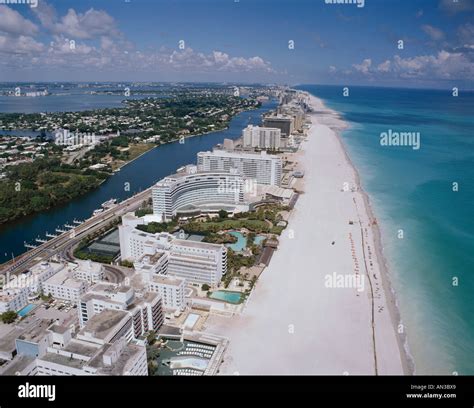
<point x="193" y="192"/>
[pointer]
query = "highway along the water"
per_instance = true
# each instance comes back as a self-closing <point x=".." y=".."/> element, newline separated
<point x="133" y="178"/>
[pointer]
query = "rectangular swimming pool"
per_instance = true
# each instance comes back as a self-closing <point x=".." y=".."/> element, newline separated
<point x="227" y="296"/>
<point x="28" y="308"/>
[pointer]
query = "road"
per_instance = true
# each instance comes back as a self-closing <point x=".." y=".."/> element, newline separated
<point x="62" y="244"/>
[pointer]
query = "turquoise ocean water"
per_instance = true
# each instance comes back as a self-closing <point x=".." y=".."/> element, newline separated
<point x="432" y="266"/>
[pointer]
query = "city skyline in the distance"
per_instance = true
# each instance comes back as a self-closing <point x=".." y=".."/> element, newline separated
<point x="240" y="41"/>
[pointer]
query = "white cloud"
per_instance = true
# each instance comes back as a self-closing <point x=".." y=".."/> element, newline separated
<point x="216" y="60"/>
<point x="384" y="66"/>
<point x="91" y="24"/>
<point x="98" y="45"/>
<point x="466" y="33"/>
<point x="434" y="33"/>
<point x="363" y="67"/>
<point x="12" y="22"/>
<point x="443" y="65"/>
<point x="19" y="45"/>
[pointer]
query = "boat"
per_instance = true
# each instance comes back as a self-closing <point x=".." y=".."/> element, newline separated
<point x="109" y="203"/>
<point x="98" y="211"/>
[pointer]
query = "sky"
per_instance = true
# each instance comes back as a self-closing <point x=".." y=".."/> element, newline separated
<point x="265" y="41"/>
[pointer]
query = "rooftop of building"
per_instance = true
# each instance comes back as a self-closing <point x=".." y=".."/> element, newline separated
<point x="102" y="323"/>
<point x="58" y="328"/>
<point x="7" y="295"/>
<point x="262" y="127"/>
<point x="241" y="155"/>
<point x="168" y="280"/>
<point x="35" y="332"/>
<point x="17" y="365"/>
<point x="151" y="259"/>
<point x="173" y="178"/>
<point x="82" y="348"/>
<point x="42" y="267"/>
<point x="118" y="367"/>
<point x="64" y="278"/>
<point x="276" y="191"/>
<point x="278" y="118"/>
<point x="197" y="244"/>
<point x="89" y="266"/>
<point x="63" y="360"/>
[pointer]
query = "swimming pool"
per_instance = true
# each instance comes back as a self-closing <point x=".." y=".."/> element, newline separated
<point x="191" y="320"/>
<point x="28" y="308"/>
<point x="242" y="241"/>
<point x="227" y="296"/>
<point x="189" y="362"/>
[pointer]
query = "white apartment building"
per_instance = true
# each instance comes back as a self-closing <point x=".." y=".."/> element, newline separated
<point x="134" y="244"/>
<point x="171" y="289"/>
<point x="13" y="299"/>
<point x="262" y="168"/>
<point x="63" y="286"/>
<point x="145" y="309"/>
<point x="33" y="278"/>
<point x="81" y="357"/>
<point x="103" y="296"/>
<point x="283" y="122"/>
<point x="261" y="137"/>
<point x="198" y="262"/>
<point x="88" y="271"/>
<point x="149" y="265"/>
<point x="196" y="192"/>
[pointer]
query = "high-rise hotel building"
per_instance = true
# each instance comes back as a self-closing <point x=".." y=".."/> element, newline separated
<point x="191" y="192"/>
<point x="198" y="262"/>
<point x="261" y="137"/>
<point x="262" y="168"/>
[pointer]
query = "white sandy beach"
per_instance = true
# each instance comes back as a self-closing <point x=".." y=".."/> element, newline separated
<point x="294" y="324"/>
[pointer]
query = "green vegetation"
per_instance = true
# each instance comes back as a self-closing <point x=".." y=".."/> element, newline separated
<point x="220" y="238"/>
<point x="204" y="228"/>
<point x="151" y="337"/>
<point x="205" y="287"/>
<point x="8" y="317"/>
<point x="223" y="214"/>
<point x="81" y="252"/>
<point x="42" y="184"/>
<point x="46" y="298"/>
<point x="62" y="175"/>
<point x="156" y="227"/>
<point x="143" y="211"/>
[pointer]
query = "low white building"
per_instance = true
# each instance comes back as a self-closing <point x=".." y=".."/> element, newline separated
<point x="198" y="262"/>
<point x="63" y="286"/>
<point x="84" y="358"/>
<point x="34" y="278"/>
<point x="13" y="299"/>
<point x="88" y="271"/>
